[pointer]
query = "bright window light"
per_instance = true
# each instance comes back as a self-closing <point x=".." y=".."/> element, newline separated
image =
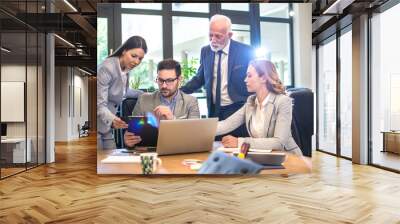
<point x="261" y="52"/>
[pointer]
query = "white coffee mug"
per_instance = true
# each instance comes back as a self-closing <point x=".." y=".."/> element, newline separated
<point x="149" y="162"/>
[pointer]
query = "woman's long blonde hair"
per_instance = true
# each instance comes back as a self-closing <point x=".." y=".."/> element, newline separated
<point x="267" y="69"/>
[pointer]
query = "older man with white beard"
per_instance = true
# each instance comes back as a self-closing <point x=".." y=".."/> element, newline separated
<point x="223" y="66"/>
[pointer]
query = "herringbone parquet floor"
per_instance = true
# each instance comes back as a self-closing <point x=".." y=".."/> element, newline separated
<point x="70" y="191"/>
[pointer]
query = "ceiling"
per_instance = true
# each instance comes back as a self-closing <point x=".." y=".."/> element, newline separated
<point x="73" y="21"/>
<point x="331" y="15"/>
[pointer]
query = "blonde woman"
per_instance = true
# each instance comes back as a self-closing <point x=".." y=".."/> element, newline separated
<point x="267" y="114"/>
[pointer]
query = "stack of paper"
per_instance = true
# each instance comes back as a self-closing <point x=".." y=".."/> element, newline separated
<point x="121" y="159"/>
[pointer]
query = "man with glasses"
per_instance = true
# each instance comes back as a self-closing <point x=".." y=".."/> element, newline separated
<point x="168" y="102"/>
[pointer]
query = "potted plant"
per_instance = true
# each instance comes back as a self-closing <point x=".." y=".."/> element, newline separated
<point x="189" y="69"/>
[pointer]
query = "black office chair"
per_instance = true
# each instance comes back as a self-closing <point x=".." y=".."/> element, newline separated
<point x="84" y="129"/>
<point x="127" y="106"/>
<point x="125" y="109"/>
<point x="303" y="118"/>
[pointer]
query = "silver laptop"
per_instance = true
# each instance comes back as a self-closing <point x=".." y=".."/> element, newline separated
<point x="186" y="136"/>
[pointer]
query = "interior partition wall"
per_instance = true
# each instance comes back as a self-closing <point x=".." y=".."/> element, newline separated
<point x="22" y="77"/>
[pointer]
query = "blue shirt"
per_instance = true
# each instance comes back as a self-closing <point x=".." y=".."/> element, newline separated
<point x="171" y="104"/>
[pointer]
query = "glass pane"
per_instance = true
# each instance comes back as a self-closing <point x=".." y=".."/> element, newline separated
<point x="102" y="42"/>
<point x="276" y="45"/>
<point x="235" y="6"/>
<point x="187" y="47"/>
<point x="327" y="97"/>
<point x="31" y="101"/>
<point x="241" y="33"/>
<point x="346" y="94"/>
<point x="280" y="10"/>
<point x="385" y="84"/>
<point x="13" y="72"/>
<point x="41" y="99"/>
<point x="155" y="6"/>
<point x="190" y="7"/>
<point x="143" y="76"/>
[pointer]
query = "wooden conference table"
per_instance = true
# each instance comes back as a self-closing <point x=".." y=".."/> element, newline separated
<point x="172" y="164"/>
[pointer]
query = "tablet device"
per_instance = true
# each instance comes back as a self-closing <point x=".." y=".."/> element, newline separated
<point x="140" y="126"/>
<point x="136" y="124"/>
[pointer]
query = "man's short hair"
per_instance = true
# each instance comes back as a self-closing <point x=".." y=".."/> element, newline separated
<point x="219" y="17"/>
<point x="169" y="64"/>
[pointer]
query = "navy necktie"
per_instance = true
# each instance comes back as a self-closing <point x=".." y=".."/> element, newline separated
<point x="218" y="88"/>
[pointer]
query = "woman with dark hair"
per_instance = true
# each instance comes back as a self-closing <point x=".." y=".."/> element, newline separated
<point x="112" y="86"/>
<point x="267" y="114"/>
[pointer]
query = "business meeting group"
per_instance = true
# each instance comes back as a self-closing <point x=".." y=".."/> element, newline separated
<point x="248" y="129"/>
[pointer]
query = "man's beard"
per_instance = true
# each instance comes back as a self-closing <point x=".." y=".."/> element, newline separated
<point x="217" y="48"/>
<point x="167" y="92"/>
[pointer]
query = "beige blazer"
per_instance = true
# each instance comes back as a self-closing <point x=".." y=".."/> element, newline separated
<point x="186" y="105"/>
<point x="277" y="124"/>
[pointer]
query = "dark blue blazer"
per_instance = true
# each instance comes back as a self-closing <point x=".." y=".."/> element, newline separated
<point x="238" y="59"/>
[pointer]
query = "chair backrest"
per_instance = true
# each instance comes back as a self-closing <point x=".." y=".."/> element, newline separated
<point x="86" y="125"/>
<point x="303" y="118"/>
<point x="127" y="106"/>
<point x="125" y="109"/>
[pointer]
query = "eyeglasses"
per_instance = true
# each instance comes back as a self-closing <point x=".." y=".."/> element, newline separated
<point x="166" y="81"/>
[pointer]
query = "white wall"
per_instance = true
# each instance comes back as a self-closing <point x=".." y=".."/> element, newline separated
<point x="33" y="127"/>
<point x="302" y="38"/>
<point x="15" y="72"/>
<point x="71" y="94"/>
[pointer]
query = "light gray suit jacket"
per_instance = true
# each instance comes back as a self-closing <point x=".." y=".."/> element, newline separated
<point x="277" y="124"/>
<point x="109" y="92"/>
<point x="186" y="105"/>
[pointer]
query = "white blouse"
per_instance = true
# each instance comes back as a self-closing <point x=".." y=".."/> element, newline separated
<point x="124" y="77"/>
<point x="257" y="127"/>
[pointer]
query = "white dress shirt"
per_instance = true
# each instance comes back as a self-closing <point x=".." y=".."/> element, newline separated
<point x="225" y="99"/>
<point x="257" y="127"/>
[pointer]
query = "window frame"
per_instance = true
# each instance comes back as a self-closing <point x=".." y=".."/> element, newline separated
<point x="237" y="17"/>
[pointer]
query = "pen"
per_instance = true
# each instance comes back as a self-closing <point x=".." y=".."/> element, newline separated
<point x="243" y="150"/>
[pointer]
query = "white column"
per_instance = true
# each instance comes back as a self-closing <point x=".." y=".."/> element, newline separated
<point x="50" y="99"/>
<point x="302" y="41"/>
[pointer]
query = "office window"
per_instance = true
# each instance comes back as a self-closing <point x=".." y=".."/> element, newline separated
<point x="235" y="6"/>
<point x="190" y="7"/>
<point x="187" y="47"/>
<point x="385" y="88"/>
<point x="280" y="52"/>
<point x="279" y="10"/>
<point x="154" y="6"/>
<point x="143" y="76"/>
<point x="241" y="33"/>
<point x="102" y="42"/>
<point x="275" y="40"/>
<point x="327" y="97"/>
<point x="346" y="94"/>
